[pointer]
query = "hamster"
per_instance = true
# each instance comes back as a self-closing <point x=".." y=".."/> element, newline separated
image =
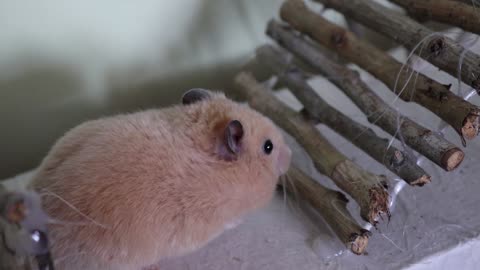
<point x="157" y="183"/>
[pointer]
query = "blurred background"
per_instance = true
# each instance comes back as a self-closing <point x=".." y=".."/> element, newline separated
<point x="63" y="62"/>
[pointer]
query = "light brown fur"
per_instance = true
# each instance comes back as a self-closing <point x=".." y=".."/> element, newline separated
<point x="154" y="179"/>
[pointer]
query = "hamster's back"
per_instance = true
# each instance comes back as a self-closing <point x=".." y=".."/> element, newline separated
<point x="105" y="169"/>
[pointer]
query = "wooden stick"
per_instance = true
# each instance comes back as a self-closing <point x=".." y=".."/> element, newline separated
<point x="320" y="111"/>
<point x="441" y="51"/>
<point x="429" y="144"/>
<point x="331" y="205"/>
<point x="444" y="11"/>
<point x="367" y="189"/>
<point x="458" y="113"/>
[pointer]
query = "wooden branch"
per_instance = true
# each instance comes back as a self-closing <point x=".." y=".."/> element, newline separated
<point x="320" y="111"/>
<point x="367" y="189"/>
<point x="458" y="113"/>
<point x="444" y="11"/>
<point x="429" y="144"/>
<point x="440" y="50"/>
<point x="331" y="205"/>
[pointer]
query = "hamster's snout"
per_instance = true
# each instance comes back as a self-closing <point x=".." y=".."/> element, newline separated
<point x="283" y="160"/>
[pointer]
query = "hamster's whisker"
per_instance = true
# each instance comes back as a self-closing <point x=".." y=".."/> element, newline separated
<point x="47" y="192"/>
<point x="289" y="189"/>
<point x="284" y="189"/>
<point x="58" y="260"/>
<point x="291" y="183"/>
<point x="61" y="222"/>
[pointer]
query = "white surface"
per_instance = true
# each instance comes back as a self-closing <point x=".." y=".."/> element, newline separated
<point x="464" y="256"/>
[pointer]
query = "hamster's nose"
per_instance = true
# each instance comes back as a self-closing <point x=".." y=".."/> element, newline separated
<point x="284" y="159"/>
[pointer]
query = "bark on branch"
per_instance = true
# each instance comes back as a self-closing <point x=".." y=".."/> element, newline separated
<point x="463" y="116"/>
<point x="429" y="144"/>
<point x="331" y="205"/>
<point x="367" y="189"/>
<point x="445" y="11"/>
<point x="320" y="111"/>
<point x="441" y="51"/>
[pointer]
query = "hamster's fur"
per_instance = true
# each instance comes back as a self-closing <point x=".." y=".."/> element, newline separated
<point x="158" y="183"/>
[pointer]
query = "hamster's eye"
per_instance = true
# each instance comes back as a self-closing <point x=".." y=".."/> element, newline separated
<point x="268" y="147"/>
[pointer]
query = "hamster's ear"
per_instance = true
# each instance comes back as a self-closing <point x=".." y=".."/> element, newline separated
<point x="194" y="95"/>
<point x="231" y="145"/>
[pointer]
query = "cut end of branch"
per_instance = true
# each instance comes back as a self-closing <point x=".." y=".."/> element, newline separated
<point x="437" y="46"/>
<point x="359" y="242"/>
<point x="332" y="205"/>
<point x="425" y="179"/>
<point x="471" y="126"/>
<point x="452" y="159"/>
<point x="369" y="190"/>
<point x="413" y="177"/>
<point x="379" y="200"/>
